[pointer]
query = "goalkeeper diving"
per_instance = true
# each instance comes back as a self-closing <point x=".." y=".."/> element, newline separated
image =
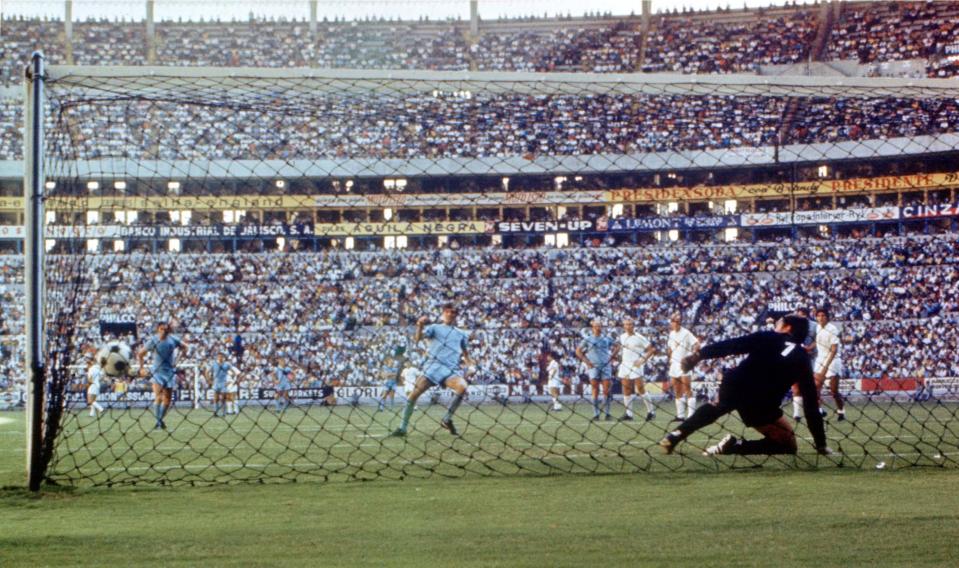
<point x="775" y="360"/>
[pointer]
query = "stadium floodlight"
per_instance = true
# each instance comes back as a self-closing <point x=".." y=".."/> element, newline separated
<point x="120" y="185"/>
<point x="51" y="185"/>
<point x="93" y="185"/>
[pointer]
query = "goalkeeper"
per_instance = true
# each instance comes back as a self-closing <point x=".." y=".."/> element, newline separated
<point x="755" y="388"/>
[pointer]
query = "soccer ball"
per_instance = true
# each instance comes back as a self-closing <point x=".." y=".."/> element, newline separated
<point x="114" y="359"/>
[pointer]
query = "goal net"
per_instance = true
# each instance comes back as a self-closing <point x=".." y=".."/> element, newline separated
<point x="299" y="223"/>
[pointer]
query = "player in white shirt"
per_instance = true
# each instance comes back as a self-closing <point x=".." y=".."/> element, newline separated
<point x="681" y="343"/>
<point x="828" y="363"/>
<point x="635" y="350"/>
<point x="554" y="381"/>
<point x="94" y="376"/>
<point x="233" y="379"/>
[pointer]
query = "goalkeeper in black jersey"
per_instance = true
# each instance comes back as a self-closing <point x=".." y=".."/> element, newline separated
<point x="775" y="360"/>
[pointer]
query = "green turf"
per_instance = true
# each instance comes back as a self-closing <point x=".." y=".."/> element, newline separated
<point x="830" y="517"/>
<point x="346" y="443"/>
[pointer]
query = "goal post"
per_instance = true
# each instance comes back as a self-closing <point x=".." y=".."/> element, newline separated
<point x="33" y="186"/>
<point x="291" y="218"/>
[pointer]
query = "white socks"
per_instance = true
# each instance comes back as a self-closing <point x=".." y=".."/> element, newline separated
<point x="690" y="405"/>
<point x="628" y="403"/>
<point x="797" y="407"/>
<point x="647" y="402"/>
<point x="681" y="408"/>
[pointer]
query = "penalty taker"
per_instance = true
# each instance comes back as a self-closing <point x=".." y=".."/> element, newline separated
<point x="775" y="360"/>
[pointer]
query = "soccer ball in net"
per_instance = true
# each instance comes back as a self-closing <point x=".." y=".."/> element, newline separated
<point x="114" y="359"/>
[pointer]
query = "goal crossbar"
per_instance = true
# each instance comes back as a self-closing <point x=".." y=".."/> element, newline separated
<point x="151" y="80"/>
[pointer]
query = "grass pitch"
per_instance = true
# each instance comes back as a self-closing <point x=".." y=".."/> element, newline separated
<point x="826" y="517"/>
<point x="352" y="443"/>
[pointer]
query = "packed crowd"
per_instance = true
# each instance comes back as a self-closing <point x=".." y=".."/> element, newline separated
<point x="720" y="42"/>
<point x="336" y="316"/>
<point x="486" y="126"/>
<point x="604" y="49"/>
<point x="893" y="31"/>
<point x="683" y="45"/>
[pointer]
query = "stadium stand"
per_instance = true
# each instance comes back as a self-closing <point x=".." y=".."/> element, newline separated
<point x="898" y="298"/>
<point x="505" y="125"/>
<point x="890" y="295"/>
<point x="701" y="45"/>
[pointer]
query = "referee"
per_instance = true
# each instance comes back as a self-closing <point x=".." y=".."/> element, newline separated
<point x="775" y="360"/>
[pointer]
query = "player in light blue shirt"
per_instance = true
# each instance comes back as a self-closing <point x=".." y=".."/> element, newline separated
<point x="446" y="347"/>
<point x="596" y="351"/>
<point x="392" y="367"/>
<point x="163" y="346"/>
<point x="220" y="371"/>
<point x="282" y="373"/>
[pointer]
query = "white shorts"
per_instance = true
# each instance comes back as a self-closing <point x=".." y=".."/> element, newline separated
<point x="676" y="371"/>
<point x="630" y="372"/>
<point x="555" y="384"/>
<point x="93" y="389"/>
<point x="835" y="368"/>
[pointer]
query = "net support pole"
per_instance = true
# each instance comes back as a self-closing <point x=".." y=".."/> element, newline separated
<point x="33" y="181"/>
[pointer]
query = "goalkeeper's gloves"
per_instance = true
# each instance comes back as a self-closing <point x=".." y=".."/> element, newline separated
<point x="690" y="361"/>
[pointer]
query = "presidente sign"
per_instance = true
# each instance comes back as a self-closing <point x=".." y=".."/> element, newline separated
<point x="490" y="199"/>
<point x="825" y="187"/>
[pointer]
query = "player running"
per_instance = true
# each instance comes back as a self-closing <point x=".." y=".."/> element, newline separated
<point x="164" y="347"/>
<point x="447" y="346"/>
<point x="680" y="344"/>
<point x="596" y="351"/>
<point x="774" y="362"/>
<point x="636" y="351"/>
<point x="829" y="360"/>
<point x="220" y="372"/>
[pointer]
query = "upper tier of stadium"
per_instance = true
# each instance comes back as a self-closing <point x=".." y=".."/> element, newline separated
<point x="722" y="41"/>
<point x="434" y="126"/>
